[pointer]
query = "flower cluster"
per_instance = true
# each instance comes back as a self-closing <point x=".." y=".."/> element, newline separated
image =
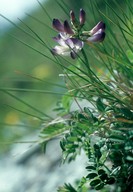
<point x="71" y="38"/>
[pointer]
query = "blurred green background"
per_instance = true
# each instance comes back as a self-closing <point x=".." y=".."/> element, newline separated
<point x="20" y="66"/>
<point x="23" y="68"/>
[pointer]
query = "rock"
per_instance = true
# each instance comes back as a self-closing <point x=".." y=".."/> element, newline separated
<point x="36" y="171"/>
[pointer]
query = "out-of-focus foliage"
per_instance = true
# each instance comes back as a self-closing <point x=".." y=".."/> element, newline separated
<point x="27" y="80"/>
<point x="95" y="115"/>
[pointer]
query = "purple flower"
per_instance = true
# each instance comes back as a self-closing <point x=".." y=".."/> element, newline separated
<point x="71" y="38"/>
<point x="100" y="25"/>
<point x="58" y="25"/>
<point x="65" y="27"/>
<point x="97" y="34"/>
<point x="67" y="46"/>
<point x="72" y="16"/>
<point x="82" y="16"/>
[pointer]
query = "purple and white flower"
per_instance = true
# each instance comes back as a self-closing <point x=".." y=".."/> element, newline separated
<point x="65" y="27"/>
<point x="97" y="34"/>
<point x="82" y="17"/>
<point x="71" y="39"/>
<point x="67" y="46"/>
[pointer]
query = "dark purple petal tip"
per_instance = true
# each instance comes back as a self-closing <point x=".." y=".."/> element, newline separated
<point x="102" y="25"/>
<point x="72" y="16"/>
<point x="77" y="43"/>
<point x="67" y="28"/>
<point x="73" y="54"/>
<point x="99" y="26"/>
<point x="57" y="39"/>
<point x="57" y="25"/>
<point x="102" y="36"/>
<point x="97" y="37"/>
<point x="82" y="17"/>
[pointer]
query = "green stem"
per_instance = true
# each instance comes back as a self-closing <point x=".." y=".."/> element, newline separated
<point x="91" y="74"/>
<point x="86" y="59"/>
<point x="96" y="82"/>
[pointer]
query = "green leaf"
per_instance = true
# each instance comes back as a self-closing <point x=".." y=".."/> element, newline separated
<point x="66" y="102"/>
<point x="98" y="153"/>
<point x="72" y="139"/>
<point x="82" y="183"/>
<point x="62" y="144"/>
<point x="96" y="147"/>
<point x="67" y="188"/>
<point x="129" y="158"/>
<point x="91" y="175"/>
<point x="72" y="146"/>
<point x="90" y="114"/>
<point x="81" y="117"/>
<point x="90" y="167"/>
<point x="52" y="130"/>
<point x="99" y="186"/>
<point x="118" y="138"/>
<point x="130" y="55"/>
<point x="110" y="181"/>
<point x="101" y="171"/>
<point x="103" y="176"/>
<point x="100" y="105"/>
<point x="95" y="182"/>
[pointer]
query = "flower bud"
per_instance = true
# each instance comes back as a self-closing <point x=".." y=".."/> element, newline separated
<point x="67" y="28"/>
<point x="97" y="37"/>
<point x="100" y="25"/>
<point x="72" y="16"/>
<point x="82" y="17"/>
<point x="58" y="25"/>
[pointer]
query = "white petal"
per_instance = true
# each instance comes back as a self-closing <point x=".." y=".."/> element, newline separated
<point x="64" y="36"/>
<point x="70" y="43"/>
<point x="62" y="43"/>
<point x="61" y="49"/>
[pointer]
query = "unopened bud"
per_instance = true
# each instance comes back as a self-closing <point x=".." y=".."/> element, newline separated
<point x="72" y="16"/>
<point x="82" y="17"/>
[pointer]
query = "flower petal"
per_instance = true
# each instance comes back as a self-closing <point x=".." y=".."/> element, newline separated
<point x="64" y="35"/>
<point x="58" y="25"/>
<point x="67" y="28"/>
<point x="60" y="40"/>
<point x="77" y="43"/>
<point x="72" y="16"/>
<point x="97" y="37"/>
<point x="100" y="25"/>
<point x="82" y="16"/>
<point x="73" y="54"/>
<point x="70" y="43"/>
<point x="59" y="50"/>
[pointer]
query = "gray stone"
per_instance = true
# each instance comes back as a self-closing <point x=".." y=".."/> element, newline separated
<point x="36" y="171"/>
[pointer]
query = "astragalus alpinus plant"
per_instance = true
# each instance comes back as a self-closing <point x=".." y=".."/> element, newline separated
<point x="96" y="59"/>
<point x="103" y="128"/>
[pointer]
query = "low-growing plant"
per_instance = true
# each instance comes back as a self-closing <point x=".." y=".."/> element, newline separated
<point x="95" y="115"/>
<point x="103" y="129"/>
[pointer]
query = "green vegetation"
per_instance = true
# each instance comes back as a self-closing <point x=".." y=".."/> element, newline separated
<point x="102" y="78"/>
<point x="27" y="80"/>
